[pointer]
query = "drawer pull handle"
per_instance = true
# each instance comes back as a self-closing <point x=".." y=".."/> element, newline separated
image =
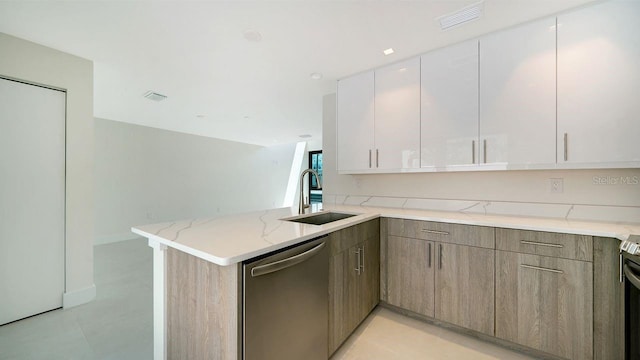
<point x="541" y="268"/>
<point x="541" y="244"/>
<point x="438" y="232"/>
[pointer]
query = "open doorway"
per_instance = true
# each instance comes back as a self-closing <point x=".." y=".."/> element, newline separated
<point x="315" y="163"/>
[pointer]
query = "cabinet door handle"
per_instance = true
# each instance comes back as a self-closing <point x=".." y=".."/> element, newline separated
<point x="357" y="252"/>
<point x="369" y="158"/>
<point x="362" y="255"/>
<point x="437" y="232"/>
<point x="440" y="257"/>
<point x="541" y="268"/>
<point x="377" y="158"/>
<point x="429" y="255"/>
<point x="473" y="151"/>
<point x="566" y="147"/>
<point x="620" y="264"/>
<point x="484" y="150"/>
<point x="541" y="244"/>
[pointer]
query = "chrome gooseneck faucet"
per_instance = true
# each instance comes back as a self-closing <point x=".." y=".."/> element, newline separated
<point x="302" y="204"/>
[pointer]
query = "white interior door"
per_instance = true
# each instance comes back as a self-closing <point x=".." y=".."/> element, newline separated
<point x="32" y="199"/>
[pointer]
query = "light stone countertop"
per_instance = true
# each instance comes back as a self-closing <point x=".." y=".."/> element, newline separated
<point x="227" y="240"/>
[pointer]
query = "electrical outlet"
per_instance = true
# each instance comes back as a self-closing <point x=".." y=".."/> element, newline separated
<point x="557" y="185"/>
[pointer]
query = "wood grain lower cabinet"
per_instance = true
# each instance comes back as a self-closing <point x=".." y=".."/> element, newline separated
<point x="464" y="286"/>
<point x="354" y="279"/>
<point x="453" y="283"/>
<point x="369" y="285"/>
<point x="203" y="308"/>
<point x="410" y="274"/>
<point x="545" y="303"/>
<point x="343" y="297"/>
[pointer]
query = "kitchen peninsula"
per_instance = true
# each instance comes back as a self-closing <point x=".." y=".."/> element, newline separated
<point x="198" y="264"/>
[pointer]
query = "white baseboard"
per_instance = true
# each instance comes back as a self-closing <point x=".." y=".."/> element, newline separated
<point x="78" y="297"/>
<point x="108" y="239"/>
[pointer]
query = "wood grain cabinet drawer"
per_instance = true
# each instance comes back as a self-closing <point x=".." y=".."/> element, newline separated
<point x="480" y="236"/>
<point x="567" y="246"/>
<point x="545" y="303"/>
<point x="346" y="238"/>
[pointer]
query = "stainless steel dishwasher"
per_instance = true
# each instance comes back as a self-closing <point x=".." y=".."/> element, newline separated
<point x="285" y="304"/>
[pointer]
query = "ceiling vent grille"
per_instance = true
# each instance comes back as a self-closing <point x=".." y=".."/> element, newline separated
<point x="154" y="96"/>
<point x="464" y="15"/>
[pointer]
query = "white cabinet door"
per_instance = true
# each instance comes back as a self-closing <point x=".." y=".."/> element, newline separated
<point x="355" y="122"/>
<point x="518" y="95"/>
<point x="449" y="113"/>
<point x="32" y="199"/>
<point x="397" y="116"/>
<point x="599" y="84"/>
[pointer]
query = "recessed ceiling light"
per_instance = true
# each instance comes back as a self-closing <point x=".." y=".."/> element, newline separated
<point x="200" y="116"/>
<point x="252" y="35"/>
<point x="304" y="136"/>
<point x="316" y="76"/>
<point x="464" y="15"/>
<point x="154" y="96"/>
<point x="389" y="51"/>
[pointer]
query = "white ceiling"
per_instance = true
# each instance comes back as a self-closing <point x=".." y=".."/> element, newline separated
<point x="253" y="92"/>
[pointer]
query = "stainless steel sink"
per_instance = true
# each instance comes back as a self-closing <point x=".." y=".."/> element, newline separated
<point x="321" y="218"/>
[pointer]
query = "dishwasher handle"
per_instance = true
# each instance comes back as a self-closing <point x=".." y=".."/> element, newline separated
<point x="285" y="263"/>
<point x="631" y="275"/>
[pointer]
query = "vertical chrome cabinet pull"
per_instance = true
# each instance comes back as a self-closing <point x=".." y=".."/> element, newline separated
<point x="440" y="257"/>
<point x="377" y="158"/>
<point x="473" y="151"/>
<point x="621" y="279"/>
<point x="484" y="148"/>
<point x="429" y="255"/>
<point x="566" y="147"/>
<point x="357" y="252"/>
<point x="362" y="255"/>
<point x="369" y="158"/>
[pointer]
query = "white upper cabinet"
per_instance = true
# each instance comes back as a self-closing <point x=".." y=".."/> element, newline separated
<point x="518" y="96"/>
<point x="449" y="118"/>
<point x="355" y="122"/>
<point x="599" y="85"/>
<point x="397" y="116"/>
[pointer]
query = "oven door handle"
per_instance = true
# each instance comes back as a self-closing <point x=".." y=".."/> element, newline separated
<point x="631" y="276"/>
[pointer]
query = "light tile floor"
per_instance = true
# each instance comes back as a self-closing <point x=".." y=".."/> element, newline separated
<point x="386" y="335"/>
<point x="118" y="324"/>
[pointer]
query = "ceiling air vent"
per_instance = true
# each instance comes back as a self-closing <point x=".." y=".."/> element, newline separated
<point x="464" y="15"/>
<point x="154" y="96"/>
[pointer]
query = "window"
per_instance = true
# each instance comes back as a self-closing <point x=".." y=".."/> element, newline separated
<point x="315" y="163"/>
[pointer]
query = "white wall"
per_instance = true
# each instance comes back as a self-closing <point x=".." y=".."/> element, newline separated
<point x="607" y="202"/>
<point x="147" y="175"/>
<point x="30" y="62"/>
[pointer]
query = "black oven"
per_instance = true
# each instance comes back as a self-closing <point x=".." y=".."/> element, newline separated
<point x="631" y="270"/>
